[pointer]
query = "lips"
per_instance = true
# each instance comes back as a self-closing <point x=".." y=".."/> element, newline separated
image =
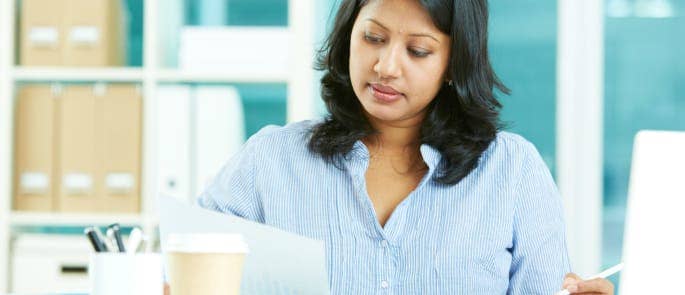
<point x="385" y="93"/>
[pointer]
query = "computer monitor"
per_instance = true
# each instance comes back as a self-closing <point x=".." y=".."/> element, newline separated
<point x="654" y="241"/>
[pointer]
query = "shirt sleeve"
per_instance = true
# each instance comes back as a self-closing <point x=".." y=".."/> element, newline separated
<point x="539" y="252"/>
<point x="233" y="190"/>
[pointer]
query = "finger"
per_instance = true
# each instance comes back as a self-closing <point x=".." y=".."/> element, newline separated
<point x="570" y="279"/>
<point x="601" y="286"/>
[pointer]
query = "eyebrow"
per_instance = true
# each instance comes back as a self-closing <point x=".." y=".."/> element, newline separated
<point x="413" y="35"/>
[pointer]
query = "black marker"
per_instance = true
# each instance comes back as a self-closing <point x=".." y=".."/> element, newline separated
<point x="95" y="239"/>
<point x="117" y="237"/>
<point x="103" y="241"/>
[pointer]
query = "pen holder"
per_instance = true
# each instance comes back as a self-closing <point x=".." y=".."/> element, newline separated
<point x="121" y="273"/>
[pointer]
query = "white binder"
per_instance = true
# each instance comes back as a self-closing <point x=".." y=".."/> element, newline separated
<point x="173" y="142"/>
<point x="219" y="131"/>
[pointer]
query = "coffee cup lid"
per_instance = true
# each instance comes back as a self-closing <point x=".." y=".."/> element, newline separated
<point x="206" y="243"/>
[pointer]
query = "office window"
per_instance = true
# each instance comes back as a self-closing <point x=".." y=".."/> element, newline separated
<point x="134" y="32"/>
<point x="644" y="89"/>
<point x="237" y="12"/>
<point x="523" y="42"/>
<point x="263" y="104"/>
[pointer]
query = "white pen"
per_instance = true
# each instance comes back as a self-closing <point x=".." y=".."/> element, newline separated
<point x="148" y="244"/>
<point x="603" y="275"/>
<point x="134" y="240"/>
<point x="109" y="233"/>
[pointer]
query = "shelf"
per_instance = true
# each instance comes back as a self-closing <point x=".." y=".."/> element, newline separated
<point x="67" y="74"/>
<point x="194" y="76"/>
<point x="149" y="76"/>
<point x="73" y="219"/>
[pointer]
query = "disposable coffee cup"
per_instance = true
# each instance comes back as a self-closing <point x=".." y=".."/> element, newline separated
<point x="208" y="264"/>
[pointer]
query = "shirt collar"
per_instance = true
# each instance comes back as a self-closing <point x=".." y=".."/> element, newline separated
<point x="430" y="155"/>
<point x="359" y="151"/>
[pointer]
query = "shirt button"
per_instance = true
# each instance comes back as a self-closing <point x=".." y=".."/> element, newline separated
<point x="384" y="243"/>
<point x="384" y="284"/>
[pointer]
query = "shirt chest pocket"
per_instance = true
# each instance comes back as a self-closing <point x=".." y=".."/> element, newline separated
<point x="479" y="268"/>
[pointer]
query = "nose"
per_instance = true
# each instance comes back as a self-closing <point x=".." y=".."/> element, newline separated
<point x="388" y="65"/>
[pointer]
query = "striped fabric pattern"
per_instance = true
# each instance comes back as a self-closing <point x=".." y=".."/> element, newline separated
<point x="499" y="231"/>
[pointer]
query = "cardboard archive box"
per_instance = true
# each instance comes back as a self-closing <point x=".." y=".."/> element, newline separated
<point x="42" y="32"/>
<point x="72" y="33"/>
<point x="94" y="33"/>
<point x="35" y="164"/>
<point x="76" y="150"/>
<point x="100" y="149"/>
<point x="118" y="146"/>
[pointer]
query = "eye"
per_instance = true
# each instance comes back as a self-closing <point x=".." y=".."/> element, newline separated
<point x="418" y="53"/>
<point x="373" y="39"/>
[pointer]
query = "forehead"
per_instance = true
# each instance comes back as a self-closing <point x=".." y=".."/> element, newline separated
<point x="407" y="16"/>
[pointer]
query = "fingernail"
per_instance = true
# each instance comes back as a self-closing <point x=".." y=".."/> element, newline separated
<point x="572" y="288"/>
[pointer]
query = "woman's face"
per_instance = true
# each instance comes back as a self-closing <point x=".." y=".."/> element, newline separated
<point x="398" y="60"/>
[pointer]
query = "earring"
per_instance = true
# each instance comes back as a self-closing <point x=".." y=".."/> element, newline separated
<point x="450" y="83"/>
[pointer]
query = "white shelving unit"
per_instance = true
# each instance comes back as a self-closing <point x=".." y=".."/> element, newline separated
<point x="41" y="74"/>
<point x="176" y="76"/>
<point x="59" y="219"/>
<point x="300" y="105"/>
<point x="6" y="119"/>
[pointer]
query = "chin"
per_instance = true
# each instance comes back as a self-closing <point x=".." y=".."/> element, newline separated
<point x="385" y="115"/>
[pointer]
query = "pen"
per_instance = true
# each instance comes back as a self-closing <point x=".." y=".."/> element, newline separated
<point x="109" y="240"/>
<point x="148" y="244"/>
<point x="94" y="239"/>
<point x="101" y="238"/>
<point x="603" y="275"/>
<point x="116" y="231"/>
<point x="134" y="240"/>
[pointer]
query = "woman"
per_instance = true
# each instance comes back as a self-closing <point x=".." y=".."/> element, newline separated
<point x="408" y="181"/>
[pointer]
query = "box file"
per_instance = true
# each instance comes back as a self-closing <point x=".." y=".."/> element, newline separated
<point x="41" y="32"/>
<point x="94" y="33"/>
<point x="100" y="149"/>
<point x="35" y="163"/>
<point x="118" y="147"/>
<point x="76" y="150"/>
<point x="72" y="33"/>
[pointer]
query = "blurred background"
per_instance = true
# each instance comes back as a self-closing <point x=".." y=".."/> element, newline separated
<point x="104" y="104"/>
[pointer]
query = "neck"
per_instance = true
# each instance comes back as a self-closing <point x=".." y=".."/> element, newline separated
<point x="394" y="138"/>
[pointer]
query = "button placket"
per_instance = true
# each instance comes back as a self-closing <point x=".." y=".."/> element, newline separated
<point x="387" y="267"/>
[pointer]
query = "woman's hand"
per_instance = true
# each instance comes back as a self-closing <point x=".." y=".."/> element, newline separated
<point x="575" y="285"/>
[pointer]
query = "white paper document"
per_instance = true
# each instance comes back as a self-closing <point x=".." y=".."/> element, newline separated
<point x="279" y="262"/>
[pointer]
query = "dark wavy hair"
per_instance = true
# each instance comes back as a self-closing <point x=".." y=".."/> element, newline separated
<point x="463" y="118"/>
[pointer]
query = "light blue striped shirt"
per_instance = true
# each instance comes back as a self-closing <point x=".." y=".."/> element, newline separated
<point x="498" y="231"/>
